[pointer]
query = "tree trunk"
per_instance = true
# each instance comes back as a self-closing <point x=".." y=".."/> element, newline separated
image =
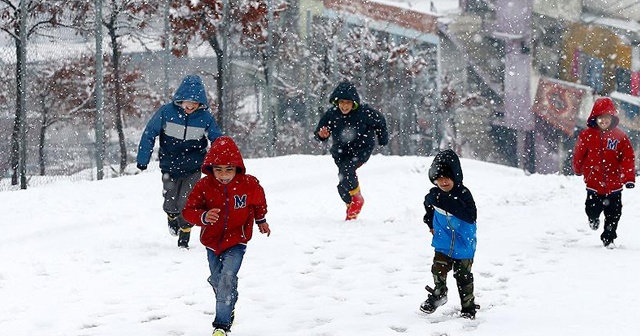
<point x="115" y="58"/>
<point x="43" y="133"/>
<point x="213" y="42"/>
<point x="17" y="120"/>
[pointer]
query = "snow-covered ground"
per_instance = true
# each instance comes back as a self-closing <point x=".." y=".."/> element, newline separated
<point x="95" y="258"/>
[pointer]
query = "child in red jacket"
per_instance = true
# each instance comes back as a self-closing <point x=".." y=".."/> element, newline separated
<point x="604" y="156"/>
<point x="225" y="204"/>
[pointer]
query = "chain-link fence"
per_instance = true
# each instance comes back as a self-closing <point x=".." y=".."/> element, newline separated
<point x="399" y="78"/>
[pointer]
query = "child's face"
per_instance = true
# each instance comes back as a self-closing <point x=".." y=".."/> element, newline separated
<point x="345" y="106"/>
<point x="604" y="121"/>
<point x="224" y="173"/>
<point x="189" y="106"/>
<point x="444" y="183"/>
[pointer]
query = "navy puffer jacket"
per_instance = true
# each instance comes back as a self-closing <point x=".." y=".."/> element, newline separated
<point x="353" y="134"/>
<point x="183" y="137"/>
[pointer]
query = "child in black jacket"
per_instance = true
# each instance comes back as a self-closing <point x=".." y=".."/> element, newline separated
<point x="354" y="128"/>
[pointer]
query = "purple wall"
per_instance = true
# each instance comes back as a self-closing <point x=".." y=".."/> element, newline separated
<point x="513" y="25"/>
<point x="514" y="16"/>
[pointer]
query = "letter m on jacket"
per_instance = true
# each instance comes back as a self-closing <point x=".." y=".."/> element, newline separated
<point x="240" y="201"/>
<point x="612" y="143"/>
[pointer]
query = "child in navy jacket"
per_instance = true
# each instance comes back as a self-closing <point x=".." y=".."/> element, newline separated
<point x="353" y="128"/>
<point x="184" y="125"/>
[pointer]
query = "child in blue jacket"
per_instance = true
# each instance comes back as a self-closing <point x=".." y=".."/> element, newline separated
<point x="185" y="127"/>
<point x="451" y="216"/>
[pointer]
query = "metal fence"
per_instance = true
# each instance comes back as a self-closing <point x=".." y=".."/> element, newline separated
<point x="301" y="84"/>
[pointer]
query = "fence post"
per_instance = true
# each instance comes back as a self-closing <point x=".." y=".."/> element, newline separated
<point x="307" y="92"/>
<point x="223" y="74"/>
<point x="268" y="105"/>
<point x="22" y="92"/>
<point x="98" y="93"/>
<point x="166" y="55"/>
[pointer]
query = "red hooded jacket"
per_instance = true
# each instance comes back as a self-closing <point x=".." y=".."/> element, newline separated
<point x="241" y="201"/>
<point x="604" y="157"/>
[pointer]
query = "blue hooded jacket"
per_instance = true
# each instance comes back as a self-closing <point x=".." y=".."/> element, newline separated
<point x="183" y="137"/>
<point x="452" y="215"/>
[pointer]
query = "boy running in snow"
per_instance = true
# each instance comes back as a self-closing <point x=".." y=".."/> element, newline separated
<point x="184" y="125"/>
<point x="604" y="155"/>
<point x="354" y="128"/>
<point x="451" y="216"/>
<point x="225" y="204"/>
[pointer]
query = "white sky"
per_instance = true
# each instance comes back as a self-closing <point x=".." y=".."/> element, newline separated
<point x="94" y="258"/>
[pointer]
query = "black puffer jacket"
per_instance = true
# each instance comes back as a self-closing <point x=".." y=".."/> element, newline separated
<point x="458" y="201"/>
<point x="355" y="133"/>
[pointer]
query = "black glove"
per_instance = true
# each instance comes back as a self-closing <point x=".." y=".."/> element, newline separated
<point x="629" y="185"/>
<point x="141" y="166"/>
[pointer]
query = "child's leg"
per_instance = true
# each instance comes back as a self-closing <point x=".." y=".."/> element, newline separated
<point x="170" y="193"/>
<point x="440" y="268"/>
<point x="226" y="287"/>
<point x="348" y="180"/>
<point x="184" y="185"/>
<point x="593" y="205"/>
<point x="464" y="280"/>
<point x="612" y="213"/>
<point x="170" y="204"/>
<point x="215" y="266"/>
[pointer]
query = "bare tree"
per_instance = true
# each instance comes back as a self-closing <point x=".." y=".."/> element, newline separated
<point x="65" y="92"/>
<point x="41" y="15"/>
<point x="124" y="18"/>
<point x="210" y="22"/>
<point x="62" y="94"/>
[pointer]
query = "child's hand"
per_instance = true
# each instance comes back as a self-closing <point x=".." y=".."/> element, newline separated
<point x="431" y="230"/>
<point x="324" y="132"/>
<point x="212" y="216"/>
<point x="264" y="228"/>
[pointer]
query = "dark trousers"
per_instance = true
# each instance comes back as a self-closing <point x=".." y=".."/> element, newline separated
<point x="611" y="205"/>
<point x="442" y="264"/>
<point x="175" y="192"/>
<point x="347" y="177"/>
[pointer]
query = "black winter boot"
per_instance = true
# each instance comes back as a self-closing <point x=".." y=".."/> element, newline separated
<point x="183" y="237"/>
<point x="172" y="220"/>
<point x="469" y="312"/>
<point x="433" y="301"/>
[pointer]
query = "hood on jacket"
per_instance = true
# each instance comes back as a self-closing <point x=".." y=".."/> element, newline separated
<point x="223" y="151"/>
<point x="447" y="164"/>
<point x="191" y="89"/>
<point x="347" y="91"/>
<point x="603" y="106"/>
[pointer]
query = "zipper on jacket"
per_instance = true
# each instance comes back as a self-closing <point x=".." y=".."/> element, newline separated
<point x="601" y="151"/>
<point x="226" y="216"/>
<point x="453" y="235"/>
<point x="186" y="123"/>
